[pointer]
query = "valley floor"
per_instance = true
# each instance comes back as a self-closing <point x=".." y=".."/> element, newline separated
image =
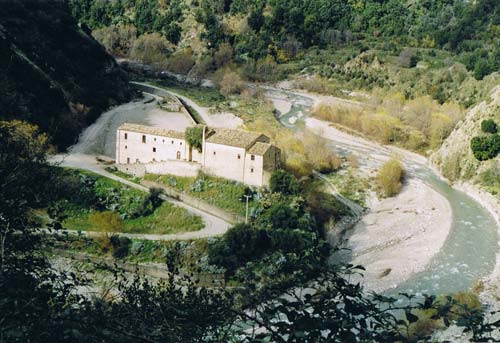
<point x="399" y="236"/>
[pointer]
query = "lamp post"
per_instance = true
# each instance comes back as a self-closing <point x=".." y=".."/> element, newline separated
<point x="246" y="211"/>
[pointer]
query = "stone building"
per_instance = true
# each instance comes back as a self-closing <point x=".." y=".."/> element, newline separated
<point x="243" y="156"/>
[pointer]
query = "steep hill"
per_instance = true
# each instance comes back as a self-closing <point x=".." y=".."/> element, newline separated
<point x="455" y="159"/>
<point x="53" y="73"/>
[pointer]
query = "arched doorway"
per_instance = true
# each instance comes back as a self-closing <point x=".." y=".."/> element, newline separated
<point x="178" y="155"/>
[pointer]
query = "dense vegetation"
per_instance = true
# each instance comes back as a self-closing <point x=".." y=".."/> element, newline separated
<point x="54" y="74"/>
<point x="39" y="304"/>
<point x="269" y="39"/>
<point x="488" y="146"/>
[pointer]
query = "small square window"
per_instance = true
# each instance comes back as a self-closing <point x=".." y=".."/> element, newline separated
<point x="251" y="170"/>
<point x="163" y="141"/>
<point x="125" y="147"/>
<point x="252" y="157"/>
<point x="154" y="149"/>
<point x="126" y="135"/>
<point x="144" y="138"/>
<point x="214" y="153"/>
<point x="128" y="160"/>
<point x="181" y="143"/>
<point x="239" y="156"/>
<point x="172" y="142"/>
<point x="154" y="139"/>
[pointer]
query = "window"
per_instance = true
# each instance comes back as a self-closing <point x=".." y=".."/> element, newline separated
<point x="125" y="147"/>
<point x="144" y="138"/>
<point x="172" y="142"/>
<point x="136" y="160"/>
<point x="128" y="160"/>
<point x="154" y="159"/>
<point x="252" y="157"/>
<point x="154" y="149"/>
<point x="178" y="155"/>
<point x="126" y="136"/>
<point x="251" y="170"/>
<point x="181" y="143"/>
<point x="215" y="153"/>
<point x="163" y="141"/>
<point x="239" y="156"/>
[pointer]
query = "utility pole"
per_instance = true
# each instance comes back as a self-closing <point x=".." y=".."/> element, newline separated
<point x="246" y="212"/>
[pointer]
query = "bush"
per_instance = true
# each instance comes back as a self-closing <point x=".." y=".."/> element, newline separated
<point x="240" y="244"/>
<point x="390" y="177"/>
<point x="151" y="48"/>
<point x="485" y="147"/>
<point x="107" y="221"/>
<point x="120" y="246"/>
<point x="231" y="83"/>
<point x="283" y="182"/>
<point x="489" y="126"/>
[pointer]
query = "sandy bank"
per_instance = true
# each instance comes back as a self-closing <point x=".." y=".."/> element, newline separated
<point x="400" y="235"/>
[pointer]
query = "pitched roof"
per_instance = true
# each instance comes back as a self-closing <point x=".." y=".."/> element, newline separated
<point x="236" y="138"/>
<point x="259" y="148"/>
<point x="158" y="131"/>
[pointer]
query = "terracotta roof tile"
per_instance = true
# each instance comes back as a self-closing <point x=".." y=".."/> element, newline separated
<point x="158" y="131"/>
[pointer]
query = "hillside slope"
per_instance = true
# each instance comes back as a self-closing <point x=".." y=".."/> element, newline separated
<point x="455" y="159"/>
<point x="52" y="73"/>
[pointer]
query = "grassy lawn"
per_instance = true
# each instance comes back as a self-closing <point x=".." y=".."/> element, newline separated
<point x="166" y="219"/>
<point x="218" y="192"/>
<point x="109" y="205"/>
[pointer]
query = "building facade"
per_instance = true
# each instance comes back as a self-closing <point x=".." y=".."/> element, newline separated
<point x="243" y="156"/>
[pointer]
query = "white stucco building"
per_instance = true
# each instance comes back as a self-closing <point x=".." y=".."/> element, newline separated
<point x="243" y="156"/>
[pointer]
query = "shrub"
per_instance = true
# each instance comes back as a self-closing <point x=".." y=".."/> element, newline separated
<point x="390" y="176"/>
<point x="231" y="83"/>
<point x="240" y="244"/>
<point x="407" y="59"/>
<point x="283" y="182"/>
<point x="107" y="221"/>
<point x="485" y="147"/>
<point x="489" y="126"/>
<point x="151" y="48"/>
<point x="120" y="245"/>
<point x="181" y="62"/>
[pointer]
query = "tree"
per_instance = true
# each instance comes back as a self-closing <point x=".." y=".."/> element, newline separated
<point x="489" y="126"/>
<point x="151" y="48"/>
<point x="240" y="244"/>
<point x="283" y="182"/>
<point x="194" y="137"/>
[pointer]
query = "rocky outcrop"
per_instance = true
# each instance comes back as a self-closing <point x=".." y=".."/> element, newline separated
<point x="52" y="72"/>
<point x="454" y="159"/>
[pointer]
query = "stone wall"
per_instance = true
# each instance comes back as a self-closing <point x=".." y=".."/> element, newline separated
<point x="178" y="168"/>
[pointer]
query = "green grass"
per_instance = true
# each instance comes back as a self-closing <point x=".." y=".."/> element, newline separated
<point x="218" y="192"/>
<point x="351" y="186"/>
<point x="123" y="175"/>
<point x="203" y="96"/>
<point x="490" y="181"/>
<point x="166" y="219"/>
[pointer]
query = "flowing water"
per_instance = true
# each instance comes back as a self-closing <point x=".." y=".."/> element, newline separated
<point x="472" y="243"/>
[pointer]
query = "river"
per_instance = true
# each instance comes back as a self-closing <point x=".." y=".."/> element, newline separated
<point x="470" y="248"/>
